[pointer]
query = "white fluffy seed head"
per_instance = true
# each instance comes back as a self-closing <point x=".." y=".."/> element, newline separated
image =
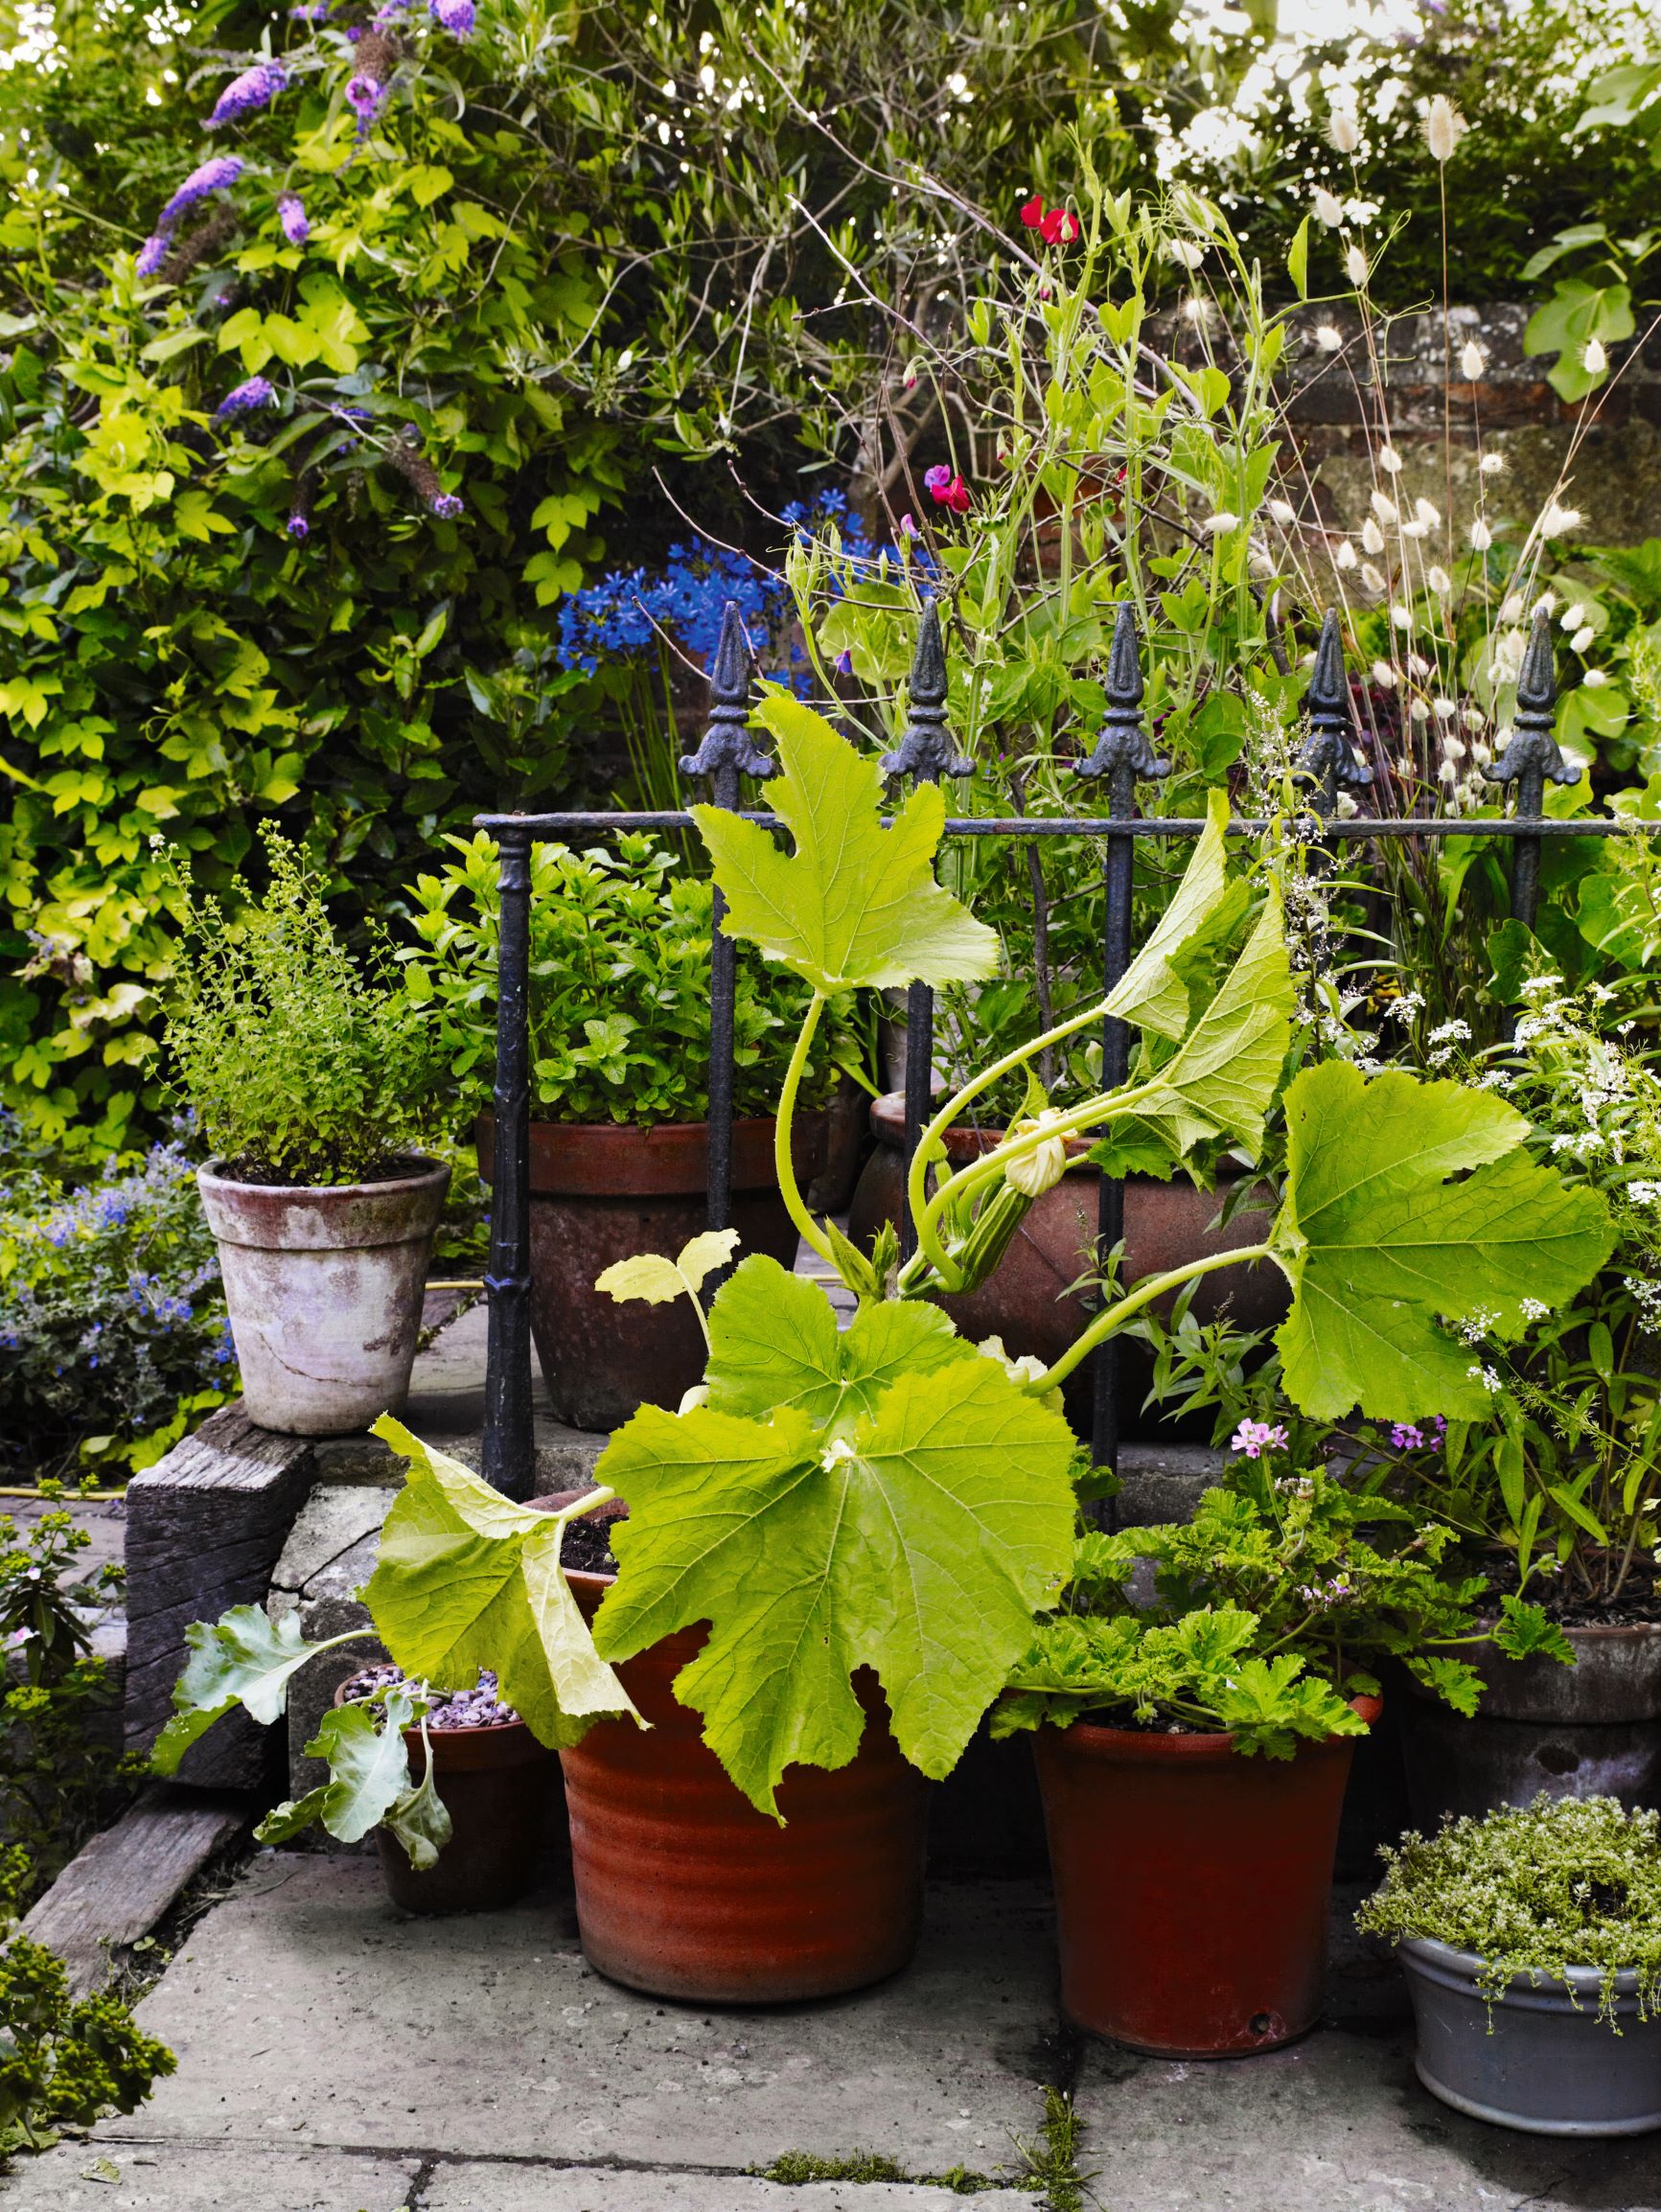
<point x="1371" y="577"/>
<point x="1384" y="676"/>
<point x="1326" y="208"/>
<point x="1385" y="508"/>
<point x="1344" y="557"/>
<point x="1372" y="536"/>
<point x="1220" y="524"/>
<point x="1402" y="617"/>
<point x="1427" y="512"/>
<point x="1284" y="512"/>
<point x="1355" y="266"/>
<point x="1417" y="665"/>
<point x="1439" y="579"/>
<point x="1444" y="709"/>
<point x="1595" y="676"/>
<point x="1416" y="529"/>
<point x="1419" y="710"/>
<point x="1491" y="464"/>
<point x="1512" y="607"/>
<point x="1596" y="360"/>
<point x="1481" y="536"/>
<point x="1444" y="127"/>
<point x="1472" y="360"/>
<point x="1582" y="638"/>
<point x="1328" y="338"/>
<point x="1573" y="616"/>
<point x="1557" y="520"/>
<point x="1342" y="130"/>
<point x="1389" y="460"/>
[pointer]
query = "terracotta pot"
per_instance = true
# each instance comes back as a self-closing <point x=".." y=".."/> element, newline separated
<point x="602" y="1192"/>
<point x="323" y="1286"/>
<point x="1590" y="1730"/>
<point x="1191" y="1884"/>
<point x="1028" y="1300"/>
<point x="684" y="1890"/>
<point x="495" y="1783"/>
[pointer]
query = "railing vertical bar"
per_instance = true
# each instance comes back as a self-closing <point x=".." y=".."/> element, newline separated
<point x="1531" y="757"/>
<point x="508" y="1451"/>
<point x="1123" y="755"/>
<point x="925" y="753"/>
<point x="725" y="753"/>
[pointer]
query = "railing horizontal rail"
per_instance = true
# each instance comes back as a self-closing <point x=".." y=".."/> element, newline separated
<point x="542" y="826"/>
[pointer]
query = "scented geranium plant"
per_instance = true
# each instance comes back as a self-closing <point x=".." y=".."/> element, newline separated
<point x="895" y="1497"/>
<point x="1271" y="1612"/>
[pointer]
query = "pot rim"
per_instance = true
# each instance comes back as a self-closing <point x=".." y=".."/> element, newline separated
<point x="1451" y="1958"/>
<point x="473" y="1728"/>
<point x="1154" y="1746"/>
<point x="428" y="1171"/>
<point x="1597" y="1631"/>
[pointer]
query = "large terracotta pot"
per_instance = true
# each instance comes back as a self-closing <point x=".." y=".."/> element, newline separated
<point x="602" y="1192"/>
<point x="1191" y="1884"/>
<point x="495" y="1784"/>
<point x="684" y="1890"/>
<point x="323" y="1286"/>
<point x="1590" y="1730"/>
<point x="1028" y="1300"/>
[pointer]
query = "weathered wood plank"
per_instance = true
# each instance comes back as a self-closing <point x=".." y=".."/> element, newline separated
<point x="206" y="1527"/>
<point x="121" y="1883"/>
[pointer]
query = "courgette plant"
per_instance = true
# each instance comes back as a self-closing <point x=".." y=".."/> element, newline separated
<point x="892" y="1496"/>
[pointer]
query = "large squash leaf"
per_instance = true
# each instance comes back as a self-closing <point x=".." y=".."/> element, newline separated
<point x="855" y="904"/>
<point x="242" y="1658"/>
<point x="920" y="1542"/>
<point x="1151" y="993"/>
<point x="1221" y="1078"/>
<point x="466" y="1579"/>
<point x="1377" y="1244"/>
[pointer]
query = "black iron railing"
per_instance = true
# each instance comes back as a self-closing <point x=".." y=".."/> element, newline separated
<point x="1123" y="757"/>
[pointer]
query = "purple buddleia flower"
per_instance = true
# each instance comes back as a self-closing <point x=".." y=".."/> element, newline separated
<point x="246" y="398"/>
<point x="292" y="215"/>
<point x="365" y="99"/>
<point x="216" y="176"/>
<point x="456" y="17"/>
<point x="446" y="506"/>
<point x="245" y="95"/>
<point x="151" y="254"/>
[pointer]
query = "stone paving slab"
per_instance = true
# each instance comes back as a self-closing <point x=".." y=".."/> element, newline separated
<point x="1336" y="2123"/>
<point x="305" y="2005"/>
<point x="192" y="2178"/>
<point x="481" y="2188"/>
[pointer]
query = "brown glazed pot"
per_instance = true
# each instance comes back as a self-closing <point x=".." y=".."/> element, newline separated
<point x="1590" y="1730"/>
<point x="684" y="1890"/>
<point x="494" y="1784"/>
<point x="1191" y="1884"/>
<point x="1026" y="1298"/>
<point x="602" y="1192"/>
<point x="323" y="1287"/>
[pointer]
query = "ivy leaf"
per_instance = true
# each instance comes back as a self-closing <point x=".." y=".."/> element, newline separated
<point x="1377" y="1245"/>
<point x="243" y="1658"/>
<point x="920" y="1544"/>
<point x="773" y="1342"/>
<point x="855" y="904"/>
<point x="466" y="1579"/>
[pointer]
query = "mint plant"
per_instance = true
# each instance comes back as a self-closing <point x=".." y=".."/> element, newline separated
<point x="465" y="1579"/>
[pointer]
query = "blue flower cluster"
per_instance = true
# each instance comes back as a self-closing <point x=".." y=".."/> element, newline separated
<point x="110" y="1307"/>
<point x="634" y="611"/>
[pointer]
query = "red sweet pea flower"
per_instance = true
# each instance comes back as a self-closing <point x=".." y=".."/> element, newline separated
<point x="1033" y="213"/>
<point x="947" y="488"/>
<point x="1058" y="227"/>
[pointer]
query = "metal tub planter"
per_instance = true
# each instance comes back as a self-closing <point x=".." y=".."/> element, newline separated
<point x="1539" y="2057"/>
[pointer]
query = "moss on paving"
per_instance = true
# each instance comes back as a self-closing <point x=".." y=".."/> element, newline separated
<point x="1051" y="2164"/>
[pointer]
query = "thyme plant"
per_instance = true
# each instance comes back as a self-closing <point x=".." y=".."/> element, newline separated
<point x="1536" y="1890"/>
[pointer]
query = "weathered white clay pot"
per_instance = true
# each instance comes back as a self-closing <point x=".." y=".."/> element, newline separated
<point x="324" y="1290"/>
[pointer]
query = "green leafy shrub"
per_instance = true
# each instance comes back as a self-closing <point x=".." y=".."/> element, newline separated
<point x="60" y="1774"/>
<point x="63" y="2062"/>
<point x="303" y="1064"/>
<point x="619" y="985"/>
<point x="113" y="1336"/>
<point x="1535" y="1890"/>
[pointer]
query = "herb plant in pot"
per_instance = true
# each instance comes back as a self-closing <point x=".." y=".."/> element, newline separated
<point x="315" y="1081"/>
<point x="446" y="1756"/>
<point x="839" y="1522"/>
<point x="1531" y="1944"/>
<point x="1194" y="1743"/>
<point x="1555" y="1491"/>
<point x="619" y="1055"/>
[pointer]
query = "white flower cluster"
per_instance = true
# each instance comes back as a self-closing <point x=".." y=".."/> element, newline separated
<point x="1477" y="1323"/>
<point x="1649" y="1298"/>
<point x="1486" y="1376"/>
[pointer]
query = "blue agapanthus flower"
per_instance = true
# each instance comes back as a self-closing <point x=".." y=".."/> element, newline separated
<point x="631" y="612"/>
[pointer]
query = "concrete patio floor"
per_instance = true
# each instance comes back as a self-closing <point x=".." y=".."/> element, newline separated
<point x="334" y="2057"/>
